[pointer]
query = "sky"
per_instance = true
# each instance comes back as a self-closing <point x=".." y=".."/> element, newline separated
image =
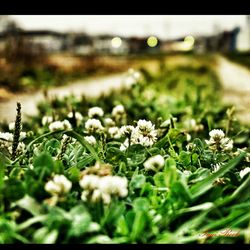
<point x="163" y="26"/>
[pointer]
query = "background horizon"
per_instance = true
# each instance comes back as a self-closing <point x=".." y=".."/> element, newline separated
<point x="162" y="26"/>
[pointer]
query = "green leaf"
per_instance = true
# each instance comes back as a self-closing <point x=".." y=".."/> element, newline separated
<point x="87" y="159"/>
<point x="81" y="220"/>
<point x="99" y="239"/>
<point x="30" y="204"/>
<point x="138" y="225"/>
<point x="44" y="236"/>
<point x="159" y="179"/>
<point x="52" y="146"/>
<point x="137" y="181"/>
<point x="122" y="227"/>
<point x="84" y="143"/>
<point x="207" y="183"/>
<point x="115" y="155"/>
<point x="13" y="189"/>
<point x="136" y="154"/>
<point x="113" y="213"/>
<point x="203" y="206"/>
<point x="74" y="174"/>
<point x="44" y="160"/>
<point x="170" y="172"/>
<point x="141" y="204"/>
<point x="185" y="158"/>
<point x="180" y="189"/>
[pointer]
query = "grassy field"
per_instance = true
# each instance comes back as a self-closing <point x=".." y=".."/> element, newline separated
<point x="160" y="161"/>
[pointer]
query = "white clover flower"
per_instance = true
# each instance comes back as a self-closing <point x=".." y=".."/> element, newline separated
<point x="218" y="141"/>
<point x="244" y="172"/>
<point x="47" y="120"/>
<point x="109" y="122"/>
<point x="59" y="185"/>
<point x="89" y="181"/>
<point x="127" y="130"/>
<point x="114" y="185"/>
<point x="118" y="110"/>
<point x="144" y="125"/>
<point x="144" y="134"/>
<point x="102" y="188"/>
<point x="78" y="116"/>
<point x="93" y="126"/>
<point x="58" y="125"/>
<point x="216" y="134"/>
<point x="114" y="132"/>
<point x="154" y="163"/>
<point x="146" y="141"/>
<point x="6" y="136"/>
<point x="66" y="125"/>
<point x="226" y="144"/>
<point x="95" y="111"/>
<point x="90" y="139"/>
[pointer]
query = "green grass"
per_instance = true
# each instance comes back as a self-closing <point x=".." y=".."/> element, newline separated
<point x="182" y="201"/>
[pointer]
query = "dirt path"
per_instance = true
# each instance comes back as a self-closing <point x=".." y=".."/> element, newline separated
<point x="91" y="87"/>
<point x="235" y="80"/>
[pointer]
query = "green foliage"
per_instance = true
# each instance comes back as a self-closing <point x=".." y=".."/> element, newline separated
<point x="195" y="189"/>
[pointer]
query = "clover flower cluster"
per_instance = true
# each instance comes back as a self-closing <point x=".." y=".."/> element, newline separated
<point x="46" y="120"/>
<point x="95" y="112"/>
<point x="132" y="77"/>
<point x="103" y="188"/>
<point x="78" y="116"/>
<point x="154" y="163"/>
<point x="119" y="114"/>
<point x="144" y="133"/>
<point x="90" y="139"/>
<point x="58" y="187"/>
<point x="109" y="122"/>
<point x="60" y="125"/>
<point x="93" y="126"/>
<point x="114" y="132"/>
<point x="6" y="141"/>
<point x="218" y="141"/>
<point x="192" y="125"/>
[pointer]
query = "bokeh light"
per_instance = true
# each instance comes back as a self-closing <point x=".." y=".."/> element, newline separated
<point x="116" y="42"/>
<point x="189" y="40"/>
<point x="152" y="41"/>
